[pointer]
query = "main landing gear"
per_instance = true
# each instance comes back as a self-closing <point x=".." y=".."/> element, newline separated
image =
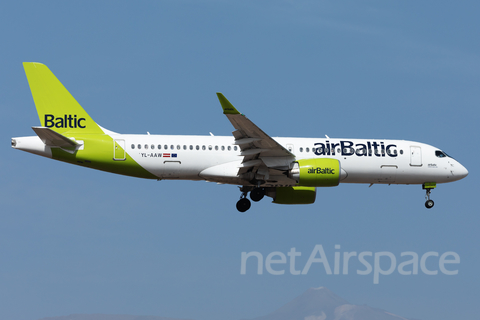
<point x="243" y="204"/>
<point x="256" y="194"/>
<point x="428" y="187"/>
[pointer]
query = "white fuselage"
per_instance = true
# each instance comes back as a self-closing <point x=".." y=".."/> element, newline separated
<point x="217" y="158"/>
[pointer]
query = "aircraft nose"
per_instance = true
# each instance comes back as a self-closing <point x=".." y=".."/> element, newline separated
<point x="460" y="171"/>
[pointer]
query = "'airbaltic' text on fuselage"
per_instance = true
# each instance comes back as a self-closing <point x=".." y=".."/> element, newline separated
<point x="348" y="148"/>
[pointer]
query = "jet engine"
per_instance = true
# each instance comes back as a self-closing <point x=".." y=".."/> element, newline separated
<point x="322" y="172"/>
<point x="292" y="195"/>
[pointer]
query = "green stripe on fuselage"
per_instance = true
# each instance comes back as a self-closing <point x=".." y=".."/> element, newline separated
<point x="98" y="153"/>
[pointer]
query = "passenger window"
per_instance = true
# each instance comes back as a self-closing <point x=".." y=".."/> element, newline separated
<point x="133" y="146"/>
<point x="184" y="147"/>
<point x="229" y="148"/>
<point x="216" y="147"/>
<point x="223" y="148"/>
<point x="152" y="147"/>
<point x="172" y="147"/>
<point x="301" y="149"/>
<point x="307" y="149"/>
<point x="191" y="147"/>
<point x="178" y="147"/>
<point x="235" y="148"/>
<point x="197" y="147"/>
<point x="165" y="147"/>
<point x="146" y="146"/>
<point x="203" y="148"/>
<point x="139" y="146"/>
<point x="209" y="147"/>
<point x="159" y="146"/>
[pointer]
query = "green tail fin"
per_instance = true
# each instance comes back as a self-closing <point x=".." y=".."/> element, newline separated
<point x="56" y="107"/>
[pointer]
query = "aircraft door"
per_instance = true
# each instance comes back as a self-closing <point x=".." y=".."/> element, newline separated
<point x="171" y="169"/>
<point x="389" y="174"/>
<point x="119" y="150"/>
<point x="415" y="156"/>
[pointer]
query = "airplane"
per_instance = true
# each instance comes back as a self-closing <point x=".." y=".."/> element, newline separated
<point x="288" y="170"/>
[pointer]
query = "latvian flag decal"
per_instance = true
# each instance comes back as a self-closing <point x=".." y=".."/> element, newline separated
<point x="169" y="155"/>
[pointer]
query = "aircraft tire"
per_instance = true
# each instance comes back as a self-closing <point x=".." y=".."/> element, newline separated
<point x="429" y="204"/>
<point x="257" y="194"/>
<point x="243" y="204"/>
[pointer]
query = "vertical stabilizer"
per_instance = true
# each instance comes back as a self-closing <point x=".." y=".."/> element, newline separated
<point x="56" y="107"/>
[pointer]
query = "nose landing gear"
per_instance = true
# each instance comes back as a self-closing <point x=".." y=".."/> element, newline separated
<point x="428" y="187"/>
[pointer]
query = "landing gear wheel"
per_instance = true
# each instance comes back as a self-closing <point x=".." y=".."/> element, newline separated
<point x="243" y="204"/>
<point x="429" y="204"/>
<point x="257" y="194"/>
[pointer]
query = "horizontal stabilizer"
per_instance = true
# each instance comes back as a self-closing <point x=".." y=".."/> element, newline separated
<point x="54" y="139"/>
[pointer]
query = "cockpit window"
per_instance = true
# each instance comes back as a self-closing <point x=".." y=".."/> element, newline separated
<point x="441" y="154"/>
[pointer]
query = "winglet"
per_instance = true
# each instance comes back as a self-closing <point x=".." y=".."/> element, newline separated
<point x="228" y="108"/>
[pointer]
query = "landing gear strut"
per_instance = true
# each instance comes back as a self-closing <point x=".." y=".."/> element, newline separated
<point x="428" y="187"/>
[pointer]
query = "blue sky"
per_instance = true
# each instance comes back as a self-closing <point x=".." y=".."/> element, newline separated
<point x="74" y="240"/>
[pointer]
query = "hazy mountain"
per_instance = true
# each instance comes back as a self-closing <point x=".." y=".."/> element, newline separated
<point x="313" y="304"/>
<point x="106" y="317"/>
<point x="323" y="304"/>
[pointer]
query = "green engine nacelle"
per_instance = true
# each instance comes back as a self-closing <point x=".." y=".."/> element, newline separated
<point x="323" y="172"/>
<point x="293" y="195"/>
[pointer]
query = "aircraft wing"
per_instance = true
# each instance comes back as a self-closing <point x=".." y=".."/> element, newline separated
<point x="263" y="157"/>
